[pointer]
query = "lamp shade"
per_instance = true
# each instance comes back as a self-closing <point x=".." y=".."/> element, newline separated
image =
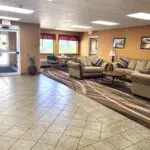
<point x="112" y="53"/>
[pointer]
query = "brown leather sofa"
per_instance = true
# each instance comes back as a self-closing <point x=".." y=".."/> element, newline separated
<point x="83" y="68"/>
<point x="138" y="72"/>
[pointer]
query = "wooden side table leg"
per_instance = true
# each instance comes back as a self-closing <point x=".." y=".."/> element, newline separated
<point x="103" y="76"/>
<point x="113" y="80"/>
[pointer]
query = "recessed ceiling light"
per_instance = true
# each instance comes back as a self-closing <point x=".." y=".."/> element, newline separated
<point x="107" y="23"/>
<point x="9" y="18"/>
<point x="15" y="9"/>
<point x="140" y="15"/>
<point x="49" y="0"/>
<point x="81" y="27"/>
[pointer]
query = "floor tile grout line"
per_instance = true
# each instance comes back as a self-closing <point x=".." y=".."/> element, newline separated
<point x="140" y="134"/>
<point x="121" y="133"/>
<point x="82" y="132"/>
<point x="115" y="145"/>
<point x="47" y="128"/>
<point x="101" y="131"/>
<point x="132" y="145"/>
<point x="30" y="128"/>
<point x="131" y="141"/>
<point x="65" y="130"/>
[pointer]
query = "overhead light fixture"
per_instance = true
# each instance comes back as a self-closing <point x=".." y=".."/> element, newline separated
<point x="107" y="23"/>
<point x="64" y="29"/>
<point x="81" y="27"/>
<point x="49" y="0"/>
<point x="140" y="15"/>
<point x="15" y="9"/>
<point x="9" y="18"/>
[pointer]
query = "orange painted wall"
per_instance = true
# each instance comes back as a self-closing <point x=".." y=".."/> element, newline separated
<point x="84" y="44"/>
<point x="56" y="42"/>
<point x="133" y="40"/>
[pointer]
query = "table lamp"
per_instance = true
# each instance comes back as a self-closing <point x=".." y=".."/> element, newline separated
<point x="112" y="54"/>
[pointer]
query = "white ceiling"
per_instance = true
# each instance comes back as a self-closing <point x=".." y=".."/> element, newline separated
<point x="65" y="13"/>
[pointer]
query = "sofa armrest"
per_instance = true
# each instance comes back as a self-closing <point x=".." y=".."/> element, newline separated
<point x="140" y="78"/>
<point x="114" y="65"/>
<point x="74" y="65"/>
<point x="104" y="65"/>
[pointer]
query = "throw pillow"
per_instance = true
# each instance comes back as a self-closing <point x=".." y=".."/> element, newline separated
<point x="122" y="63"/>
<point x="100" y="62"/>
<point x="97" y="61"/>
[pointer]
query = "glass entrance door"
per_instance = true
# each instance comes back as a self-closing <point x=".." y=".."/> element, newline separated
<point x="9" y="54"/>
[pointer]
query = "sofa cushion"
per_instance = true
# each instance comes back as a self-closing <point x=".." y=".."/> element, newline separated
<point x="141" y="65"/>
<point x="142" y="79"/>
<point x="145" y="71"/>
<point x="129" y="71"/>
<point x="84" y="61"/>
<point x="92" y="69"/>
<point x="132" y="64"/>
<point x="148" y="65"/>
<point x="88" y="61"/>
<point x="120" y="70"/>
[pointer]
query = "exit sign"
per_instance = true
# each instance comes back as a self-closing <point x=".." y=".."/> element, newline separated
<point x="6" y="23"/>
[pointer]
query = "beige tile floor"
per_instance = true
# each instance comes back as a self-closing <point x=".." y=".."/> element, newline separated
<point x="37" y="113"/>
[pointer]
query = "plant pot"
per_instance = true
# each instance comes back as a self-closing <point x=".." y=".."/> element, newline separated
<point x="32" y="70"/>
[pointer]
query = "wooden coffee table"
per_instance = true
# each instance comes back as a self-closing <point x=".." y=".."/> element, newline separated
<point x="114" y="75"/>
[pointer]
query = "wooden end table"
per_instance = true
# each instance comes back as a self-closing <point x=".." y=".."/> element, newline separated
<point x="114" y="75"/>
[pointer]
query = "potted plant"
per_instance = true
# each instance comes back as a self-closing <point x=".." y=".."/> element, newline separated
<point x="32" y="69"/>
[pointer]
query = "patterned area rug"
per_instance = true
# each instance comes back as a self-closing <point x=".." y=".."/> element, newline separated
<point x="117" y="97"/>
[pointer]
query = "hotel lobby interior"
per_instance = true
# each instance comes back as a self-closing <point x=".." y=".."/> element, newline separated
<point x="75" y="75"/>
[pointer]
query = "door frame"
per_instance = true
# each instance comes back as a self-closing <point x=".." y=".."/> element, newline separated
<point x="93" y="37"/>
<point x="14" y="28"/>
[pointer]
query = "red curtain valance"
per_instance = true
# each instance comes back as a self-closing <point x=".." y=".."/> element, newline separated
<point x="48" y="36"/>
<point x="69" y="37"/>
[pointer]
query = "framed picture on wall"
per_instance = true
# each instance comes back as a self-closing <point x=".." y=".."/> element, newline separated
<point x="145" y="42"/>
<point x="119" y="42"/>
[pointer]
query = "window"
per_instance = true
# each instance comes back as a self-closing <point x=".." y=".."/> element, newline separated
<point x="68" y="47"/>
<point x="47" y="43"/>
<point x="4" y="57"/>
<point x="3" y="41"/>
<point x="46" y="46"/>
<point x="68" y="44"/>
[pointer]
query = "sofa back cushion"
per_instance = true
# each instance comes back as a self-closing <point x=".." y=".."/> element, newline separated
<point x="148" y="65"/>
<point x="84" y="61"/>
<point x="141" y="65"/>
<point x="132" y="64"/>
<point x="89" y="61"/>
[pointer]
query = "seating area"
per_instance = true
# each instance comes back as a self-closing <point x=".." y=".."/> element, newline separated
<point x="83" y="67"/>
<point x="136" y="71"/>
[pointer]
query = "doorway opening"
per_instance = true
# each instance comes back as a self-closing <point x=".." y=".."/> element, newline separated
<point x="93" y="45"/>
<point x="9" y="51"/>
